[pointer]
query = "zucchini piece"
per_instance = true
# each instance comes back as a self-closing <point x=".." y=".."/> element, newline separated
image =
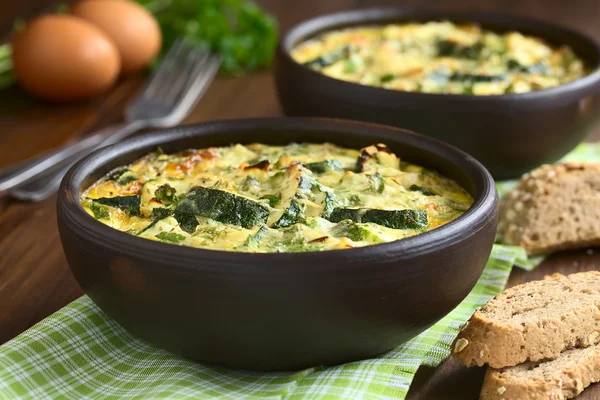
<point x="116" y="174"/>
<point x="378" y="182"/>
<point x="129" y="204"/>
<point x="159" y="186"/>
<point x="398" y="219"/>
<point x="448" y="48"/>
<point x="325" y="166"/>
<point x="222" y="206"/>
<point x="417" y="188"/>
<point x="254" y="239"/>
<point x="395" y="219"/>
<point x="187" y="223"/>
<point x="168" y="225"/>
<point x="299" y="186"/>
<point x="329" y="59"/>
<point x="160" y="213"/>
<point x="100" y="211"/>
<point x="355" y="232"/>
<point x="126" y="178"/>
<point x="157" y="214"/>
<point x="165" y="193"/>
<point x="329" y="204"/>
<point x="537" y="68"/>
<point x="387" y="78"/>
<point x="294" y="184"/>
<point x="170" y="237"/>
<point x="291" y="215"/>
<point x="473" y="78"/>
<point x="341" y="214"/>
<point x="122" y="176"/>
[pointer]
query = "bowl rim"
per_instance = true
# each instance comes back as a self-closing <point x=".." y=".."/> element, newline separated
<point x="325" y="22"/>
<point x="483" y="210"/>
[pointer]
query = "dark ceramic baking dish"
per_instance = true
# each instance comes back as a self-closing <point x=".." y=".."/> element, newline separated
<point x="279" y="311"/>
<point x="510" y="134"/>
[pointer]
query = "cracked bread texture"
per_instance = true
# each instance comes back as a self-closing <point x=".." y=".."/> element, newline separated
<point x="553" y="208"/>
<point x="533" y="321"/>
<point x="562" y="378"/>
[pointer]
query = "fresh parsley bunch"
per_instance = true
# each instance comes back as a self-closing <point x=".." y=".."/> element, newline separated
<point x="243" y="34"/>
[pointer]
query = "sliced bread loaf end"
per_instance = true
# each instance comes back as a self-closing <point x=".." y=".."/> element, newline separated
<point x="562" y="378"/>
<point x="555" y="207"/>
<point x="533" y="321"/>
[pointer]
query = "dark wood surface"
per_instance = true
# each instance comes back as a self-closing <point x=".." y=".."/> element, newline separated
<point x="35" y="280"/>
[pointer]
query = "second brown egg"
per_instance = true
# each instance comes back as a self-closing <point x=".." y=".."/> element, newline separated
<point x="132" y="28"/>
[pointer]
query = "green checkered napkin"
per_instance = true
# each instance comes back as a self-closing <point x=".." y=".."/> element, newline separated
<point x="80" y="353"/>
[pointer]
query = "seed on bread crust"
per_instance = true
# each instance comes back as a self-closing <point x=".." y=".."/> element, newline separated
<point x="460" y="345"/>
<point x="593" y="338"/>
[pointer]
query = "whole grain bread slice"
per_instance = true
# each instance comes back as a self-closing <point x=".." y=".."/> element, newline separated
<point x="555" y="207"/>
<point x="533" y="321"/>
<point x="562" y="378"/>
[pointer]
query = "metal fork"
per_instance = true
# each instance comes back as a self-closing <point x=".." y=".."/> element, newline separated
<point x="173" y="90"/>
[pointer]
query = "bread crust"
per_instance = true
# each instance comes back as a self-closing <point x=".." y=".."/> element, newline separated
<point x="562" y="378"/>
<point x="553" y="208"/>
<point x="533" y="321"/>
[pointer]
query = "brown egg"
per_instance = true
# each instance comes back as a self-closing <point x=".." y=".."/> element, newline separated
<point x="63" y="58"/>
<point x="133" y="29"/>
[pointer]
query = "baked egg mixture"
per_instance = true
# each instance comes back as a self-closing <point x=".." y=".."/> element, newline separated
<point x="260" y="198"/>
<point x="440" y="57"/>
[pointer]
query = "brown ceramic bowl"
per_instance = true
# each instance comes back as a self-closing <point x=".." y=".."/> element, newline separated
<point x="279" y="311"/>
<point x="510" y="134"/>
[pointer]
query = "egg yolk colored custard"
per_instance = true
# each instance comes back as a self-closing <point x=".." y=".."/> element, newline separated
<point x="259" y="198"/>
<point x="440" y="57"/>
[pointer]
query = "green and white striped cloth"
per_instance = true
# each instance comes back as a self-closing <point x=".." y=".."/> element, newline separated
<point x="80" y="353"/>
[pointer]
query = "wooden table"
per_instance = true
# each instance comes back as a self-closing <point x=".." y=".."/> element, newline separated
<point x="35" y="280"/>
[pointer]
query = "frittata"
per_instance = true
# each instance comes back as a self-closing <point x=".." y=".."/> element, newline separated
<point x="261" y="198"/>
<point x="440" y="57"/>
